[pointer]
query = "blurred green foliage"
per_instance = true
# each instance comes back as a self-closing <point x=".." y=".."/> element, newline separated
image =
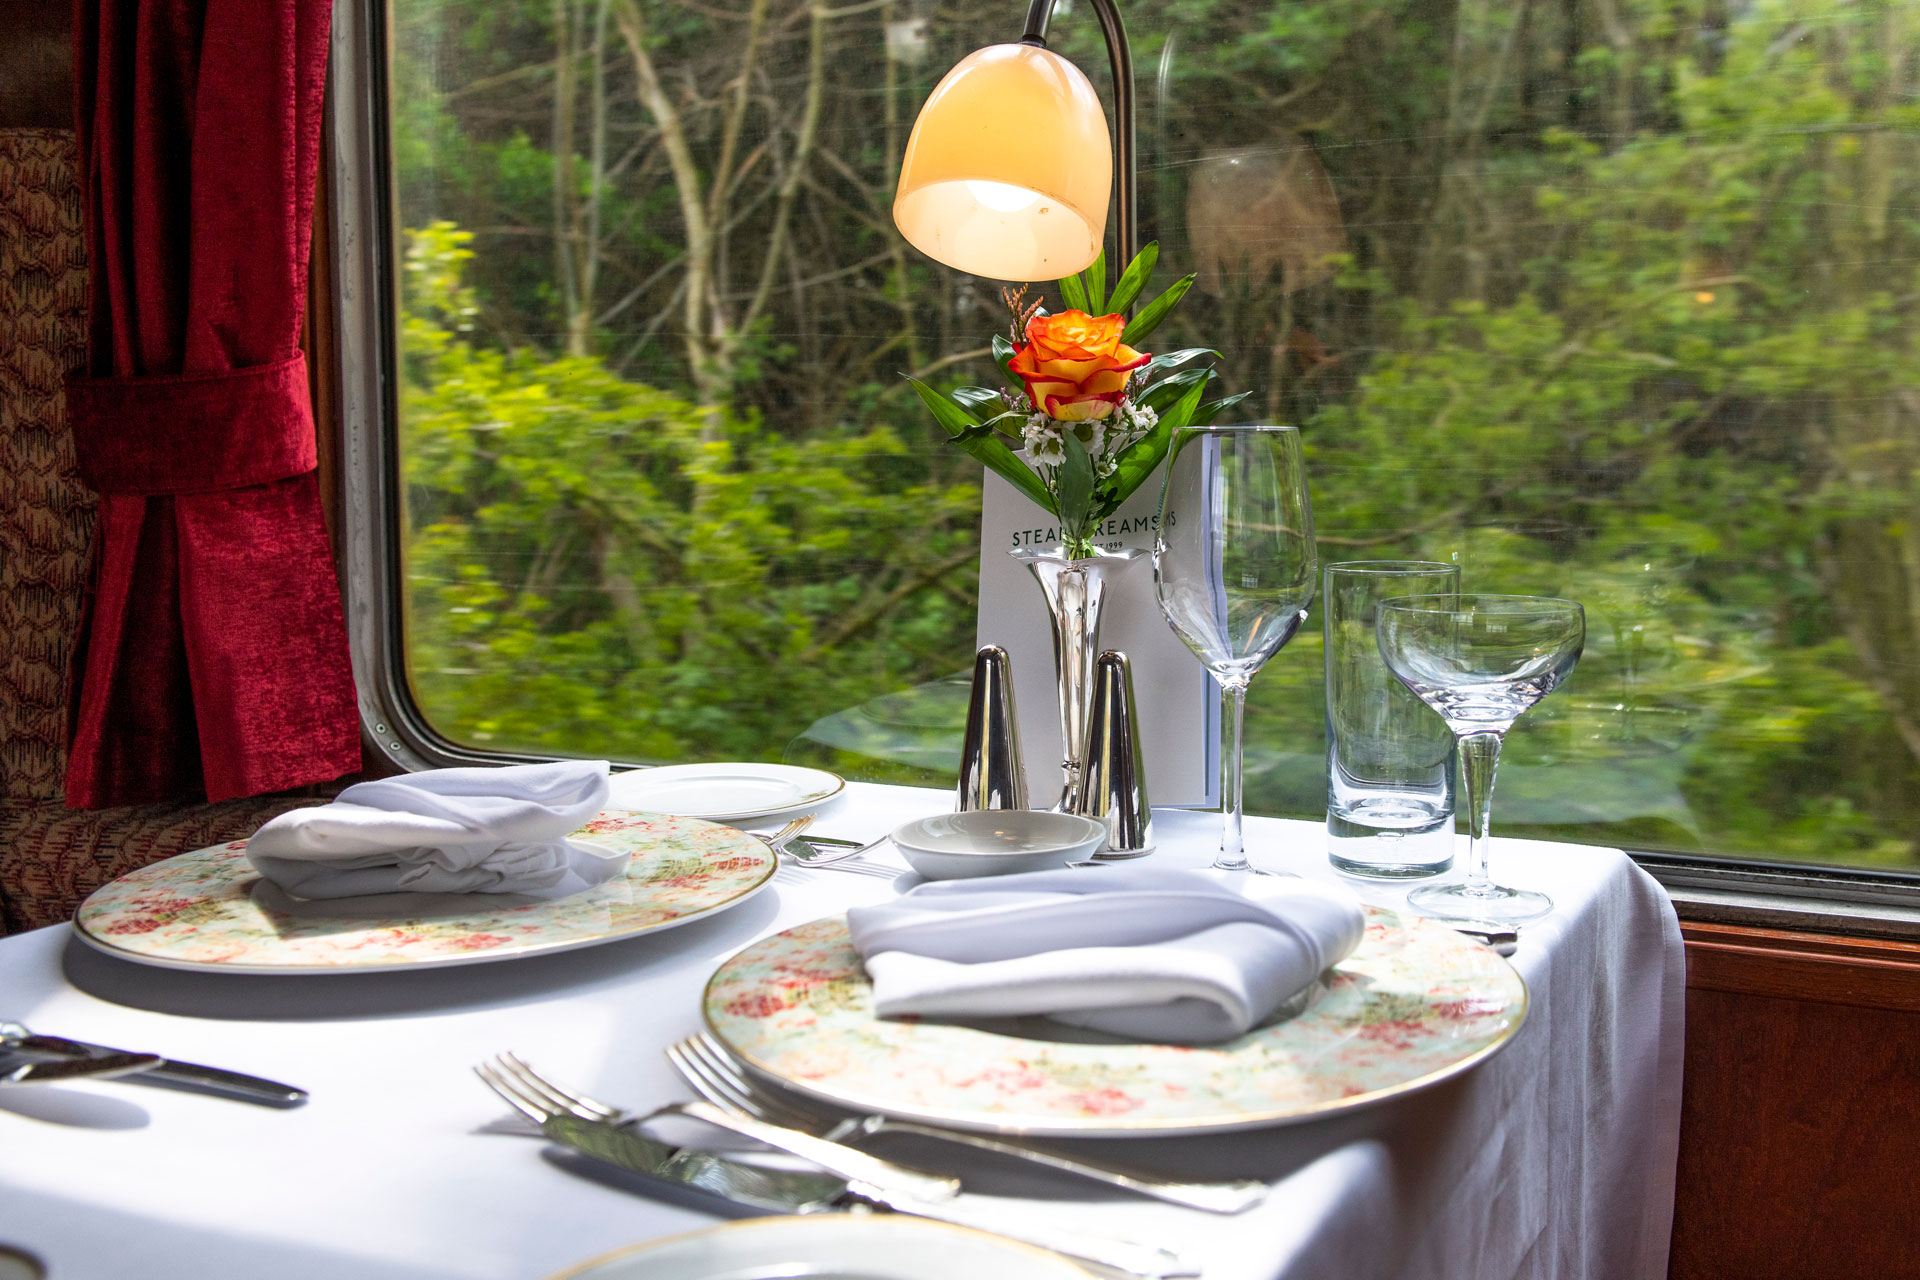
<point x="1624" y="310"/>
<point x="569" y="594"/>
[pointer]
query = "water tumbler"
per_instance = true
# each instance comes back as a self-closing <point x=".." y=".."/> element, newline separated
<point x="1390" y="776"/>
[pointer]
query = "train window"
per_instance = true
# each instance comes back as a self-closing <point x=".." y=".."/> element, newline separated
<point x="1603" y="299"/>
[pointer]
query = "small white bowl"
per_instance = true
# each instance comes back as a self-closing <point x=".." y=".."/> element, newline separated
<point x="997" y="842"/>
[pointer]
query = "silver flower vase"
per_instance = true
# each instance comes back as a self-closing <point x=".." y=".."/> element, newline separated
<point x="1076" y="592"/>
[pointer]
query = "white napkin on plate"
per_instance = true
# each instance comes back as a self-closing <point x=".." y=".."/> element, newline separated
<point x="445" y="831"/>
<point x="1149" y="953"/>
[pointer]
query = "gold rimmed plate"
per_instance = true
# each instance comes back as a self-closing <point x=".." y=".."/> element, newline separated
<point x="1416" y="1004"/>
<point x="210" y="910"/>
<point x="726" y="791"/>
<point x="829" y="1246"/>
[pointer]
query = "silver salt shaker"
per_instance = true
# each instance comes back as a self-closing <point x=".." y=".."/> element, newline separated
<point x="1113" y="780"/>
<point x="991" y="773"/>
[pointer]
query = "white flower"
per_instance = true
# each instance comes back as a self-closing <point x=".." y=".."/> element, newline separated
<point x="1135" y="420"/>
<point x="1042" y="437"/>
<point x="1117" y="433"/>
<point x="1105" y="438"/>
<point x="1096" y="437"/>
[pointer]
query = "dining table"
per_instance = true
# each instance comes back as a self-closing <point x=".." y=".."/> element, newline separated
<point x="1552" y="1158"/>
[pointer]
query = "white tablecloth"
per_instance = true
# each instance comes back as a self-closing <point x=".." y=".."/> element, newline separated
<point x="1554" y="1159"/>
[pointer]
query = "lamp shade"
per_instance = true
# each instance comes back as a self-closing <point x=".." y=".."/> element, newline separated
<point x="1009" y="169"/>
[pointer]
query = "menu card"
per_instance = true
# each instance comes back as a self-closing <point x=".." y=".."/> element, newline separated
<point x="1177" y="703"/>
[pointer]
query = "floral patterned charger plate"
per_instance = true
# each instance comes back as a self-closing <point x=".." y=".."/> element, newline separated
<point x="1415" y="1004"/>
<point x="210" y="909"/>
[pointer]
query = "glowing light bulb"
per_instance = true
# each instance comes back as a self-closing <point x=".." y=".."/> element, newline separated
<point x="1000" y="197"/>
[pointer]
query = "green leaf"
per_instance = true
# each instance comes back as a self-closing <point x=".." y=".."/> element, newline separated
<point x="1001" y="461"/>
<point x="1171" y="360"/>
<point x="1181" y="414"/>
<point x="979" y="399"/>
<point x="1003" y="353"/>
<point x="1072" y="293"/>
<point x="1136" y="464"/>
<point x="1170" y="388"/>
<point x="979" y="440"/>
<point x="1209" y="413"/>
<point x="1154" y="312"/>
<point x="955" y="418"/>
<point x="1011" y="422"/>
<point x="1135" y="277"/>
<point x="1145" y="455"/>
<point x="1095" y="278"/>
<point x="973" y="433"/>
<point x="1073" y="483"/>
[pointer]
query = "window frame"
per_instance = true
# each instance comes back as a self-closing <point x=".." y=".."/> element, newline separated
<point x="365" y="282"/>
<point x="364" y="235"/>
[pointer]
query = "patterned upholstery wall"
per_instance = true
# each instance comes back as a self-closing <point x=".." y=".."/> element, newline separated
<point x="51" y="857"/>
<point x="46" y="514"/>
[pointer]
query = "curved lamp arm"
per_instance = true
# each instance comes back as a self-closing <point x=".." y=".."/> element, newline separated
<point x="1120" y="57"/>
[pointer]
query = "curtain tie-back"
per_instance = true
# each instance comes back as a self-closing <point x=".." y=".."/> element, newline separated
<point x="193" y="432"/>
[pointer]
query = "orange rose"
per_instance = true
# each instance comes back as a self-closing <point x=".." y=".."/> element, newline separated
<point x="1074" y="365"/>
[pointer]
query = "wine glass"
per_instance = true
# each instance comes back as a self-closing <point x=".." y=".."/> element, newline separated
<point x="1235" y="565"/>
<point x="1480" y="660"/>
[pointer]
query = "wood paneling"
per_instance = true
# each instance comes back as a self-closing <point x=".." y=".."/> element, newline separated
<point x="1800" y="1128"/>
<point x="1867" y="973"/>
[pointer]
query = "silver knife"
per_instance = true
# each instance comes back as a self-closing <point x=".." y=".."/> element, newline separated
<point x="848" y="1163"/>
<point x="835" y="842"/>
<point x="775" y="1191"/>
<point x="625" y="1147"/>
<point x="18" y="1039"/>
<point x="105" y="1066"/>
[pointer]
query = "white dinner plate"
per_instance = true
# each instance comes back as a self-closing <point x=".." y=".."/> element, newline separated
<point x="725" y="791"/>
<point x="1416" y="1004"/>
<point x="210" y="909"/>
<point x="833" y="1246"/>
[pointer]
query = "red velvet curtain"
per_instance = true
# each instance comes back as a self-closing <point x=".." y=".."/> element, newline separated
<point x="214" y="657"/>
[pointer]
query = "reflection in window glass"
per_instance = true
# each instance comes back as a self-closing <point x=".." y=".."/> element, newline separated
<point x="1601" y="298"/>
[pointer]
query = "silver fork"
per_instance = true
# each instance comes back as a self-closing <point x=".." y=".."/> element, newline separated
<point x="855" y="1165"/>
<point x="553" y="1109"/>
<point x="778" y="840"/>
<point x="851" y="868"/>
<point x="716" y="1077"/>
<point x="790" y="858"/>
<point x="775" y="1190"/>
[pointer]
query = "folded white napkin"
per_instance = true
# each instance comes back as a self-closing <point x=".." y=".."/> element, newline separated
<point x="445" y="831"/>
<point x="1150" y="953"/>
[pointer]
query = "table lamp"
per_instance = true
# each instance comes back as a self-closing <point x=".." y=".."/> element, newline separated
<point x="1010" y="166"/>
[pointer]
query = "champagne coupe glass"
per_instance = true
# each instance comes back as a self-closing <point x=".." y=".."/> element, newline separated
<point x="1235" y="565"/>
<point x="1480" y="660"/>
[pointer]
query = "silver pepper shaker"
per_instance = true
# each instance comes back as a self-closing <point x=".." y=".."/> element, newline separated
<point x="991" y="773"/>
<point x="1114" y="781"/>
